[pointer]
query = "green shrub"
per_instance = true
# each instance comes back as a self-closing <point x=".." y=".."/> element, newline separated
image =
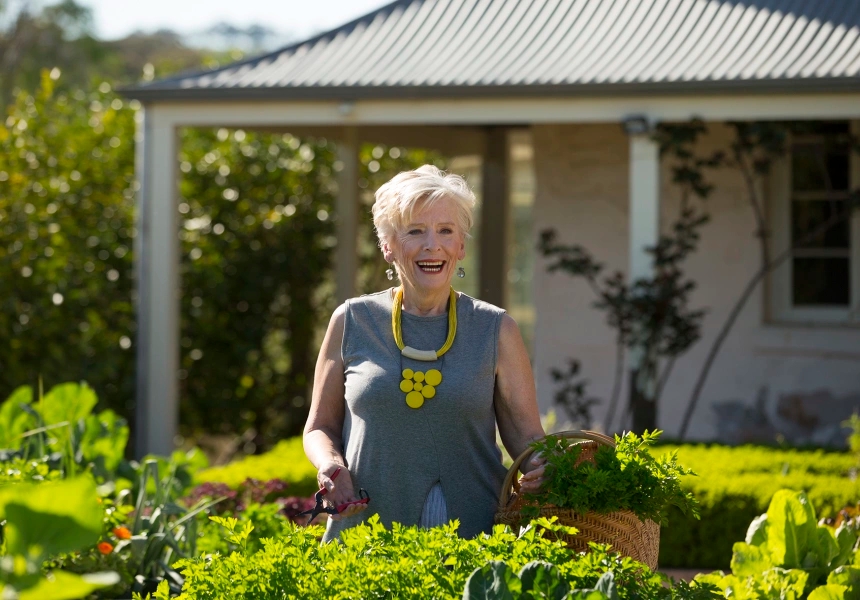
<point x="736" y="484"/>
<point x="285" y="461"/>
<point x="403" y="563"/>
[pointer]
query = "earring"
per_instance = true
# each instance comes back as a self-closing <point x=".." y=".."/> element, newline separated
<point x="389" y="273"/>
<point x="461" y="272"/>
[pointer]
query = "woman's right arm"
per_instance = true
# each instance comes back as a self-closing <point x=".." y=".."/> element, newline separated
<point x="322" y="436"/>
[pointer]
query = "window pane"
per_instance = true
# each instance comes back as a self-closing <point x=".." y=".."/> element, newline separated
<point x="814" y="168"/>
<point x="820" y="281"/>
<point x="838" y="162"/>
<point x="808" y="215"/>
<point x="821" y="127"/>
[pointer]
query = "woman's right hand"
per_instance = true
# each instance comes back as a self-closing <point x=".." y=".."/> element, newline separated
<point x="340" y="490"/>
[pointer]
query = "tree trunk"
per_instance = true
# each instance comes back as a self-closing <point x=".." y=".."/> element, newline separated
<point x="643" y="407"/>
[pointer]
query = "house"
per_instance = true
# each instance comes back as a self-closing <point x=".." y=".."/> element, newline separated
<point x="557" y="98"/>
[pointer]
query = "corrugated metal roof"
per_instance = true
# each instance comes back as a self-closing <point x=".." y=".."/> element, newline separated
<point x="424" y="48"/>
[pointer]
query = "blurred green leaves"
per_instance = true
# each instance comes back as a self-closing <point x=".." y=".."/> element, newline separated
<point x="66" y="224"/>
<point x="257" y="235"/>
<point x="37" y="526"/>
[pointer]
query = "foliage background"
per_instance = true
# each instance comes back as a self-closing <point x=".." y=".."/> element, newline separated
<point x="257" y="222"/>
<point x="66" y="217"/>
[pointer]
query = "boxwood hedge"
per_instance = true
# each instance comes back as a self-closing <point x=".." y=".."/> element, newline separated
<point x="736" y="484"/>
<point x="285" y="461"/>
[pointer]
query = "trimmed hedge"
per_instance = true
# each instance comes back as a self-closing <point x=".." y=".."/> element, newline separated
<point x="285" y="461"/>
<point x="735" y="485"/>
<point x="708" y="458"/>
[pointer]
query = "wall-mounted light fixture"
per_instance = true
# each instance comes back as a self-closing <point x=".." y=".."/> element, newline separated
<point x="636" y="125"/>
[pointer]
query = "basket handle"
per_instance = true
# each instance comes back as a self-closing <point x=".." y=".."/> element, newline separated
<point x="511" y="477"/>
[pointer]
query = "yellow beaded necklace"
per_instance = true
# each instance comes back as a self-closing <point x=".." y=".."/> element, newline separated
<point x="418" y="385"/>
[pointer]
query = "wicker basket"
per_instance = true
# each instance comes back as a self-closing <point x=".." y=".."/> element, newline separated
<point x="622" y="529"/>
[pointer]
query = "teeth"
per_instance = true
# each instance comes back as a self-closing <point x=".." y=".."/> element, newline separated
<point x="431" y="266"/>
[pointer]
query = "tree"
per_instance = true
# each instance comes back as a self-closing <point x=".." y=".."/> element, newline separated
<point x="59" y="36"/>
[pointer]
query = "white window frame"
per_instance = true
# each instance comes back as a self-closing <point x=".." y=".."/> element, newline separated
<point x="781" y="309"/>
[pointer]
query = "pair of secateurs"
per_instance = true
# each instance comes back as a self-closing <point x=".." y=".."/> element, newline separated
<point x="332" y="510"/>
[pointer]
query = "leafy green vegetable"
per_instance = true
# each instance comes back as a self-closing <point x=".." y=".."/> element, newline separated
<point x="541" y="580"/>
<point x="493" y="581"/>
<point x="410" y="563"/>
<point x="787" y="555"/>
<point x="37" y="526"/>
<point x="61" y="428"/>
<point x="627" y="477"/>
<point x="848" y="577"/>
<point x="829" y="592"/>
<point x="13" y="420"/>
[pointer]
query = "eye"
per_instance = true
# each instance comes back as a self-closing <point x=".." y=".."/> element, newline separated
<point x="414" y="231"/>
<point x="447" y="230"/>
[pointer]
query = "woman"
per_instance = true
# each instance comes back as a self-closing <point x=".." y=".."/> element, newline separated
<point x="411" y="382"/>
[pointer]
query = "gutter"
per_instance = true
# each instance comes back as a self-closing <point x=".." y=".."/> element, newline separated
<point x="176" y="93"/>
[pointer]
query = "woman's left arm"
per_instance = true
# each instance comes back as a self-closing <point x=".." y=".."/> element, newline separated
<point x="516" y="400"/>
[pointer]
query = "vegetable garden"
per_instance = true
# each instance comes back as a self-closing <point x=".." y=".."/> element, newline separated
<point x="80" y="521"/>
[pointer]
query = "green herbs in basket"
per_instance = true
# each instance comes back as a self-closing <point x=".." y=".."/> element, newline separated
<point x="626" y="477"/>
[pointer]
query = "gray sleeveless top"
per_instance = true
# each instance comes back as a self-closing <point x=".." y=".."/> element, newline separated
<point x="398" y="453"/>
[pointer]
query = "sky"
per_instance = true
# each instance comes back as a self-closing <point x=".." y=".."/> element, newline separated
<point x="294" y="18"/>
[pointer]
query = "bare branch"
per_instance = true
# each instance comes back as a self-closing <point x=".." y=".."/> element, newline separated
<point x="741" y="302"/>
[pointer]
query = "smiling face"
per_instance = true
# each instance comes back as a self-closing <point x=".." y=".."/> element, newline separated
<point x="427" y="250"/>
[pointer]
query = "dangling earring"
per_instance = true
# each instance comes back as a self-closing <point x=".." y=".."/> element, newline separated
<point x="389" y="273"/>
<point x="461" y="272"/>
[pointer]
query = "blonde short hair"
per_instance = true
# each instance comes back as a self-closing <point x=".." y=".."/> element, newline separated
<point x="398" y="198"/>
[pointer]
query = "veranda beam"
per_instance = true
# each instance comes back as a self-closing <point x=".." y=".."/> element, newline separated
<point x="514" y="111"/>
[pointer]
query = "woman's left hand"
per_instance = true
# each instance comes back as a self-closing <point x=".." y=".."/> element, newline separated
<point x="534" y="478"/>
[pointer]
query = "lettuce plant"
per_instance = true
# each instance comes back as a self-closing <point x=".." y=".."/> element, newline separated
<point x="788" y="555"/>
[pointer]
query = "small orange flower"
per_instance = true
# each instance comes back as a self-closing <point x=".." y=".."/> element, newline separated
<point x="105" y="547"/>
<point x="122" y="533"/>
